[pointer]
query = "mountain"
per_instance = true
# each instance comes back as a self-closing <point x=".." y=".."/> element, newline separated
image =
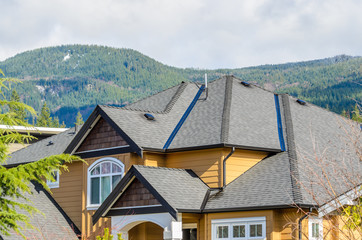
<point x="77" y="77"/>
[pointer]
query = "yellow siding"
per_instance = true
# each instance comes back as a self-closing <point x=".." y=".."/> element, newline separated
<point x="69" y="193"/>
<point x="240" y="161"/>
<point x="205" y="163"/>
<point x="154" y="159"/>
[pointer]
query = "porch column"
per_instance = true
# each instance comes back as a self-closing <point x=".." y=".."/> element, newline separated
<point x="174" y="230"/>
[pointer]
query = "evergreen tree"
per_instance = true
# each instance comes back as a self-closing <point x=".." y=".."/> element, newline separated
<point x="55" y="122"/>
<point x="17" y="110"/>
<point x="356" y="115"/>
<point x="79" y="119"/>
<point x="15" y="182"/>
<point x="44" y="119"/>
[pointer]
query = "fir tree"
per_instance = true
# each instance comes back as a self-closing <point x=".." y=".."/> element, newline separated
<point x="44" y="119"/>
<point x="79" y="119"/>
<point x="15" y="182"/>
<point x="356" y="115"/>
<point x="17" y="110"/>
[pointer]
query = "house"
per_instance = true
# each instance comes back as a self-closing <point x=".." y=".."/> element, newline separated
<point x="39" y="133"/>
<point x="230" y="161"/>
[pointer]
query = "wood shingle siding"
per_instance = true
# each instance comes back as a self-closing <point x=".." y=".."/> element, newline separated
<point x="136" y="195"/>
<point x="101" y="136"/>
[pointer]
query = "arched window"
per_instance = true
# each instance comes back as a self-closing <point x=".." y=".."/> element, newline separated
<point x="103" y="176"/>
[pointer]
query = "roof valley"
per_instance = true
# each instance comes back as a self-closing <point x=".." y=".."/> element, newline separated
<point x="291" y="149"/>
<point x="226" y="110"/>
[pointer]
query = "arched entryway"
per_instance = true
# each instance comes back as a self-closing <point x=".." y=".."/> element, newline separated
<point x="145" y="231"/>
<point x="158" y="225"/>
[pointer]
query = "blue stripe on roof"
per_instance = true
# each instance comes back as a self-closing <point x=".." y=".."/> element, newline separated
<point x="183" y="118"/>
<point x="280" y="126"/>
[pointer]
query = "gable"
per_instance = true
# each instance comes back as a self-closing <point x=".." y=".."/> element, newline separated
<point x="136" y="195"/>
<point x="103" y="135"/>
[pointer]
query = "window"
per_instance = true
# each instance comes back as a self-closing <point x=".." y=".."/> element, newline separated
<point x="315" y="228"/>
<point x="239" y="228"/>
<point x="103" y="176"/>
<point x="54" y="183"/>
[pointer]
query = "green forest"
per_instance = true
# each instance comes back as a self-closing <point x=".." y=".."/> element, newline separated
<point x="75" y="78"/>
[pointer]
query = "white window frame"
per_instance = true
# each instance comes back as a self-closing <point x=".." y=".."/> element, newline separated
<point x="54" y="184"/>
<point x="315" y="220"/>
<point x="239" y="221"/>
<point x="91" y="167"/>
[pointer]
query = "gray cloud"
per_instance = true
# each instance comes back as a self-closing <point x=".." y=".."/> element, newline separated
<point x="189" y="33"/>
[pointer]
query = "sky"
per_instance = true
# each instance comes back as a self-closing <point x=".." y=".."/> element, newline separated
<point x="201" y="34"/>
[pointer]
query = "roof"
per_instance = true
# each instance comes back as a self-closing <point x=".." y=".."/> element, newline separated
<point x="54" y="224"/>
<point x="250" y="117"/>
<point x="52" y="145"/>
<point x="184" y="118"/>
<point x="170" y="192"/>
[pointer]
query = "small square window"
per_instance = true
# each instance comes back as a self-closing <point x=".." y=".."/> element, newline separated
<point x="55" y="182"/>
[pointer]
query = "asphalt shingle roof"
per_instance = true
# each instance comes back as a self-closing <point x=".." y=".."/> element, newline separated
<point x="181" y="188"/>
<point x="42" y="149"/>
<point x="52" y="225"/>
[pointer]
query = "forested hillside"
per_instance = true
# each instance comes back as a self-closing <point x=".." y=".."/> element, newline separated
<point x="77" y="77"/>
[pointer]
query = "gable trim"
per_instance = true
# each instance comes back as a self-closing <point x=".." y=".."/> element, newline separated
<point x="104" y="151"/>
<point x="121" y="187"/>
<point x="136" y="210"/>
<point x="89" y="125"/>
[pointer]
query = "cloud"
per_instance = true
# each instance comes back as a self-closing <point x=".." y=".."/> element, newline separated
<point x="189" y="33"/>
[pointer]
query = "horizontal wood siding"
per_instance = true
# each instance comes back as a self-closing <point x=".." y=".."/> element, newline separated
<point x="136" y="195"/>
<point x="154" y="159"/>
<point x="205" y="163"/>
<point x="69" y="193"/>
<point x="240" y="161"/>
<point x="101" y="136"/>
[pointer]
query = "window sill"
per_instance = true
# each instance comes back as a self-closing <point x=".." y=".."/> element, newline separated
<point x="92" y="208"/>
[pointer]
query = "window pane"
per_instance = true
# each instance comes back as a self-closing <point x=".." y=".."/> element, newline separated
<point x="94" y="190"/>
<point x="222" y="232"/>
<point x="95" y="171"/>
<point x="256" y="230"/>
<point x="115" y="180"/>
<point x="252" y="231"/>
<point x="106" y="168"/>
<point x="315" y="230"/>
<point x="259" y="230"/>
<point x="105" y="187"/>
<point x="116" y="168"/>
<point x="238" y="231"/>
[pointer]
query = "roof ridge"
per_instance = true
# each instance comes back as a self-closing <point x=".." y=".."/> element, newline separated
<point x="167" y="109"/>
<point x="292" y="153"/>
<point x="225" y="122"/>
<point x="175" y="97"/>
